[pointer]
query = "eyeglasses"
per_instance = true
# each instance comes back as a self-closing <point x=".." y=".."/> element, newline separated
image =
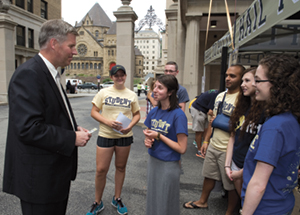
<point x="169" y="71"/>
<point x="258" y="81"/>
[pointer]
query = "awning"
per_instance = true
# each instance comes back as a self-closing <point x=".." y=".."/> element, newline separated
<point x="261" y="28"/>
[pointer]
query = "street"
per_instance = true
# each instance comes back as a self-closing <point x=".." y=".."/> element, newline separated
<point x="135" y="185"/>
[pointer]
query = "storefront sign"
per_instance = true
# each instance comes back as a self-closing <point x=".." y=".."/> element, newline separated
<point x="259" y="17"/>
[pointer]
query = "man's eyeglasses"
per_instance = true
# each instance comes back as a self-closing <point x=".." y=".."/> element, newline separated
<point x="258" y="81"/>
<point x="169" y="71"/>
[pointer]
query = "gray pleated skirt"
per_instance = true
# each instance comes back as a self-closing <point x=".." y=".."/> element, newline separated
<point x="163" y="182"/>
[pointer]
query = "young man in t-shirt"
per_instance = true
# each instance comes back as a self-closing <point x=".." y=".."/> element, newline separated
<point x="171" y="68"/>
<point x="213" y="167"/>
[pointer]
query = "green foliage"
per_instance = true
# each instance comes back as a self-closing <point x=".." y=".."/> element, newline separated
<point x="106" y="80"/>
<point x="136" y="80"/>
<point x="81" y="75"/>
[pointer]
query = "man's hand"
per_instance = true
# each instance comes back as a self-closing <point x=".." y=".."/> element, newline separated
<point x="204" y="148"/>
<point x="82" y="136"/>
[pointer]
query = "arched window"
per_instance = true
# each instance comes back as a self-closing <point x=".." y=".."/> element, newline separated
<point x="71" y="65"/>
<point x="91" y="66"/>
<point x="99" y="65"/>
<point x="108" y="52"/>
<point x="74" y="65"/>
<point x="78" y="65"/>
<point x="82" y="65"/>
<point x="140" y="62"/>
<point x="95" y="66"/>
<point x="87" y="65"/>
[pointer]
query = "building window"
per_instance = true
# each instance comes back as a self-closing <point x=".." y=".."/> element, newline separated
<point x="95" y="54"/>
<point x="81" y="33"/>
<point x="91" y="66"/>
<point x="95" y="66"/>
<point x="99" y="65"/>
<point x="20" y="35"/>
<point x="82" y="65"/>
<point x="20" y="3"/>
<point x="153" y="52"/>
<point x="152" y="67"/>
<point x="97" y="34"/>
<point x="78" y="65"/>
<point x="112" y="52"/>
<point x="44" y="9"/>
<point x="87" y="22"/>
<point x="29" y="6"/>
<point x="74" y="65"/>
<point x="140" y="62"/>
<point x="71" y="65"/>
<point x="152" y="62"/>
<point x="87" y="66"/>
<point x="140" y="71"/>
<point x="108" y="52"/>
<point x="30" y="38"/>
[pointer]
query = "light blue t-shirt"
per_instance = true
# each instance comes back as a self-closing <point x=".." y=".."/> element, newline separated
<point x="169" y="124"/>
<point x="278" y="144"/>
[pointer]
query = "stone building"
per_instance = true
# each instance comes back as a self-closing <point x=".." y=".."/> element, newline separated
<point x="97" y="46"/>
<point x="20" y="23"/>
<point x="186" y="39"/>
<point x="149" y="43"/>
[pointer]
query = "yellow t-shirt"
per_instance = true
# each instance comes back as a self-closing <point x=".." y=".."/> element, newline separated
<point x="220" y="138"/>
<point x="111" y="102"/>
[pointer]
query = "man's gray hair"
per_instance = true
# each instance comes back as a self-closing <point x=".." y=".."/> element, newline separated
<point x="57" y="29"/>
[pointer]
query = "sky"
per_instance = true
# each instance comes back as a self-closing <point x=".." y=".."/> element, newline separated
<point x="73" y="11"/>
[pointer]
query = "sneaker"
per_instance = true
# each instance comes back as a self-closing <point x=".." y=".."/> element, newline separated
<point x="195" y="144"/>
<point x="96" y="208"/>
<point x="117" y="203"/>
<point x="199" y="155"/>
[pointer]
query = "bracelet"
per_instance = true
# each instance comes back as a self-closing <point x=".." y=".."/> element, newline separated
<point x="158" y="135"/>
<point x="205" y="142"/>
<point x="227" y="167"/>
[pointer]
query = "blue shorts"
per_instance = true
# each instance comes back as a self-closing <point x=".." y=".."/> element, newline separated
<point x="109" y="142"/>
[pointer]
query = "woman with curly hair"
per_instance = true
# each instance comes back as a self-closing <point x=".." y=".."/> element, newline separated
<point x="244" y="123"/>
<point x="271" y="164"/>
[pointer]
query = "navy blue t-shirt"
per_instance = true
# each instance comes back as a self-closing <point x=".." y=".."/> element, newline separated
<point x="278" y="144"/>
<point x="169" y="124"/>
<point x="205" y="101"/>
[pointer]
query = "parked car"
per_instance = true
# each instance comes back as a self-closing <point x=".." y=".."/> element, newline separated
<point x="87" y="85"/>
<point x="107" y="84"/>
<point x="74" y="81"/>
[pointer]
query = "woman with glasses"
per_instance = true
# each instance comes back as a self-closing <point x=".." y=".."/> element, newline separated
<point x="272" y="161"/>
<point x="245" y="121"/>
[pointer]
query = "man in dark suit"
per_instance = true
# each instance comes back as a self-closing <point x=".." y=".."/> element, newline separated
<point x="42" y="138"/>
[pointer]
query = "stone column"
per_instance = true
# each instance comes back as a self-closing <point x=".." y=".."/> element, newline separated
<point x="171" y="14"/>
<point x="191" y="62"/>
<point x="125" y="40"/>
<point x="7" y="48"/>
<point x="180" y="45"/>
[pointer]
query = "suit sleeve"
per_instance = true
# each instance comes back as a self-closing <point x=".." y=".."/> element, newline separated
<point x="36" y="115"/>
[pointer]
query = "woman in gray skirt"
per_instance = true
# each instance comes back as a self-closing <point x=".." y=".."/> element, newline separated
<point x="166" y="139"/>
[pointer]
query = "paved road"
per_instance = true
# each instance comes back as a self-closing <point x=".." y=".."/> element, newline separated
<point x="134" y="190"/>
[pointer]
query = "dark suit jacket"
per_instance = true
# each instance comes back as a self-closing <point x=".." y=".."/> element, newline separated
<point x="41" y="156"/>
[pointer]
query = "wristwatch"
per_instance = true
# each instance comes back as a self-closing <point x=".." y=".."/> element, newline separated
<point x="158" y="135"/>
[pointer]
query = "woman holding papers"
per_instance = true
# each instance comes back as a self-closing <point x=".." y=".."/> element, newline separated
<point x="166" y="140"/>
<point x="113" y="102"/>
